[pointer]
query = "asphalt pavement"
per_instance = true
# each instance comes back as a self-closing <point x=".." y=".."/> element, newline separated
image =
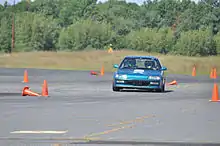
<point x="81" y="107"/>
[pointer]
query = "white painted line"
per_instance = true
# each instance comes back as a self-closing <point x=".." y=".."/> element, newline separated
<point x="39" y="132"/>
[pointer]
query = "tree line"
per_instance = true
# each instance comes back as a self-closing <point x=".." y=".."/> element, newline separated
<point x="167" y="26"/>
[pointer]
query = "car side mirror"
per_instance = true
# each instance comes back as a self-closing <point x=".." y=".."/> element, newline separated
<point x="115" y="65"/>
<point x="163" y="68"/>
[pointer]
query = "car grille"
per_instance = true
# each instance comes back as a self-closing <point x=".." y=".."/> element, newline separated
<point x="137" y="82"/>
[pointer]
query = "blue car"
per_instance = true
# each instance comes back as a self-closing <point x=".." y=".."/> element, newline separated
<point x="139" y="72"/>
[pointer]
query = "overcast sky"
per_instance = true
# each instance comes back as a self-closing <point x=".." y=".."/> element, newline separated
<point x="136" y="1"/>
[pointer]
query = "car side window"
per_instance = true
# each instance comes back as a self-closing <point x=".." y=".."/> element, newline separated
<point x="157" y="65"/>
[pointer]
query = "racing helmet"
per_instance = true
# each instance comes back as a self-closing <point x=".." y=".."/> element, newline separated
<point x="130" y="62"/>
<point x="149" y="64"/>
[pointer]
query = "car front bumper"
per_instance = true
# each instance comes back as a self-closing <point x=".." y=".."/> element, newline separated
<point x="142" y="84"/>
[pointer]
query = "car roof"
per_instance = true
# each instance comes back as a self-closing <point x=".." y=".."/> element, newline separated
<point x="150" y="57"/>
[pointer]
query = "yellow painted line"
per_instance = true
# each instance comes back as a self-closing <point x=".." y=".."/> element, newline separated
<point x="57" y="144"/>
<point x="91" y="138"/>
<point x="107" y="131"/>
<point x="139" y="119"/>
<point x="38" y="132"/>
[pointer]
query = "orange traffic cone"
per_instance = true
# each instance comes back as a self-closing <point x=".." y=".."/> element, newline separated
<point x="194" y="71"/>
<point x="27" y="92"/>
<point x="215" y="97"/>
<point x="45" y="89"/>
<point x="93" y="73"/>
<point x="102" y="72"/>
<point x="214" y="73"/>
<point x="174" y="82"/>
<point x="25" y="77"/>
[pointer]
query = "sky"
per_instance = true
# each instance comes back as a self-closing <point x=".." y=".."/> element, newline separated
<point x="136" y="1"/>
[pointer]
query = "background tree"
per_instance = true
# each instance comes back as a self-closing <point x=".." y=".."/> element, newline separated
<point x="52" y="25"/>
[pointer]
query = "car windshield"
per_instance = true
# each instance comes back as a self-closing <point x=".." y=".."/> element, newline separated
<point x="140" y="63"/>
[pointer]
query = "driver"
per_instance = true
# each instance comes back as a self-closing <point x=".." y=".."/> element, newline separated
<point x="149" y="64"/>
<point x="130" y="63"/>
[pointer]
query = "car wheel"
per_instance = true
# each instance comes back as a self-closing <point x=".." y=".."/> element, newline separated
<point x="116" y="89"/>
<point x="163" y="88"/>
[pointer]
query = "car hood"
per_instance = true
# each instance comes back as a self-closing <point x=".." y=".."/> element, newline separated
<point x="139" y="72"/>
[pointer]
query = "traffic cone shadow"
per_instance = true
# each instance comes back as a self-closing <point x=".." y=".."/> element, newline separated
<point x="215" y="95"/>
<point x="27" y="92"/>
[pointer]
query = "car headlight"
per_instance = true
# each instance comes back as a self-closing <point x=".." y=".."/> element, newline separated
<point x="123" y="77"/>
<point x="154" y="77"/>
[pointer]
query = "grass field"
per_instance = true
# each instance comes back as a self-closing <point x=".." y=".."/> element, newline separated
<point x="93" y="60"/>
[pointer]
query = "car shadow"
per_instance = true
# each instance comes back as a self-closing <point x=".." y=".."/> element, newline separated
<point x="146" y="91"/>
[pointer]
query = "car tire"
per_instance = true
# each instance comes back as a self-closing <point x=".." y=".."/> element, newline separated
<point x="163" y="88"/>
<point x="116" y="89"/>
